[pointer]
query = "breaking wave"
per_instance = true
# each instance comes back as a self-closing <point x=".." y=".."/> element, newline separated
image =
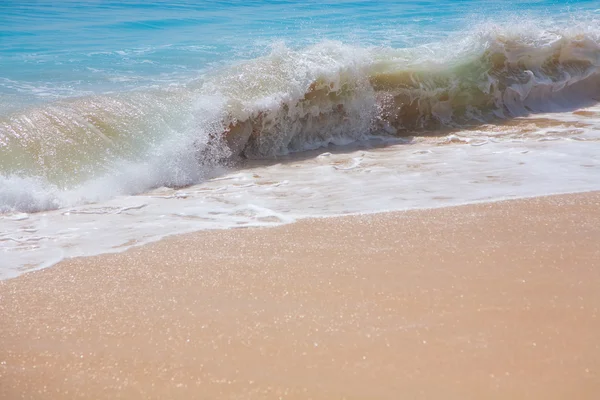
<point x="93" y="148"/>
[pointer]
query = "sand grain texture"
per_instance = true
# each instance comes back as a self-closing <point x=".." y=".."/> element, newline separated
<point x="488" y="301"/>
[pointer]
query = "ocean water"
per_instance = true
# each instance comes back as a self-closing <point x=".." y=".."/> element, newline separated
<point x="123" y="122"/>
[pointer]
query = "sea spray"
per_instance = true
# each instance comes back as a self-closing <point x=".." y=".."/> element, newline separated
<point x="92" y="148"/>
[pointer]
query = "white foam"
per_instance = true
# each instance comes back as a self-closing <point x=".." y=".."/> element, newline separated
<point x="421" y="173"/>
<point x="117" y="146"/>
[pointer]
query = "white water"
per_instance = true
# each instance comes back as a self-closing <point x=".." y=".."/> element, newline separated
<point x="78" y="176"/>
<point x="531" y="158"/>
<point x="88" y="149"/>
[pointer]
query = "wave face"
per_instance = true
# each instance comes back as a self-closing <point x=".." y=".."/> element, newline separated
<point x="91" y="148"/>
<point x="330" y="93"/>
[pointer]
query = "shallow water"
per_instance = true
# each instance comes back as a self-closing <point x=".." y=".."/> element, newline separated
<point x="123" y="122"/>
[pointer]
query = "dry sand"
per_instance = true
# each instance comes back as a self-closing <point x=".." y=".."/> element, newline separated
<point x="488" y="301"/>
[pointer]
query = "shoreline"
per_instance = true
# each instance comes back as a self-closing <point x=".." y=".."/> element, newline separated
<point x="141" y="243"/>
<point x="488" y="300"/>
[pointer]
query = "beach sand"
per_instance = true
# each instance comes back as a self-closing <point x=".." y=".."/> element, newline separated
<point x="488" y="301"/>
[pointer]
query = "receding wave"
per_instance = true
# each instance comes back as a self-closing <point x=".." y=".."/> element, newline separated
<point x="92" y="148"/>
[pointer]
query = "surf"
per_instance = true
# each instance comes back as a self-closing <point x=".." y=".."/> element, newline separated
<point x="91" y="148"/>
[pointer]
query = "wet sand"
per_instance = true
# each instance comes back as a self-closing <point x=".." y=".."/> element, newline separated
<point x="488" y="301"/>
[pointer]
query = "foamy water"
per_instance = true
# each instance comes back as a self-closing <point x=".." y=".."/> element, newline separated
<point x="533" y="157"/>
<point x="104" y="147"/>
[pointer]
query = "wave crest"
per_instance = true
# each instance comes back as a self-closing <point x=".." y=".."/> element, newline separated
<point x="289" y="100"/>
<point x="382" y="92"/>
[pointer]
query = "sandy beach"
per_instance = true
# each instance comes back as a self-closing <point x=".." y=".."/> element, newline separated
<point x="487" y="301"/>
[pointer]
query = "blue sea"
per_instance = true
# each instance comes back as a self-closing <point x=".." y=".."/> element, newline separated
<point x="122" y="122"/>
<point x="51" y="50"/>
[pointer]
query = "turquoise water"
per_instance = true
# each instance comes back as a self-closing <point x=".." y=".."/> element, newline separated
<point x="54" y="49"/>
<point x="100" y="99"/>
